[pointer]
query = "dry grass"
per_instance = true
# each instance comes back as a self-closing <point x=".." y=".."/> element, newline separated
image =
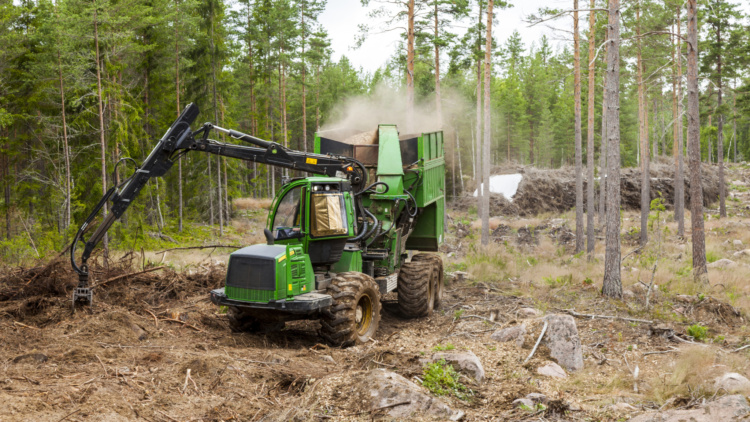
<point x="252" y="204"/>
<point x="690" y="375"/>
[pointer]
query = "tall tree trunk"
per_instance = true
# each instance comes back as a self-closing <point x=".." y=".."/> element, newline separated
<point x="734" y="123"/>
<point x="304" y="81"/>
<point x="66" y="152"/>
<point x="680" y="178"/>
<point x="317" y="99"/>
<point x="438" y="100"/>
<point x="410" y="68"/>
<point x="6" y="178"/>
<point x="645" y="117"/>
<point x="720" y="134"/>
<point x="216" y="119"/>
<point x="577" y="112"/>
<point x="590" y="236"/>
<point x="105" y="239"/>
<point x="603" y="146"/>
<point x="478" y="148"/>
<point x="487" y="128"/>
<point x="700" y="272"/>
<point x="643" y="133"/>
<point x="460" y="166"/>
<point x="612" y="286"/>
<point x="179" y="109"/>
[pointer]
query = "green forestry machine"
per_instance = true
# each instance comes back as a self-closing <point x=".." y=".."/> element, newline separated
<point x="336" y="243"/>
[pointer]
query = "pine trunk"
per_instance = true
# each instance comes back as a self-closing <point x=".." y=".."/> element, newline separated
<point x="304" y="92"/>
<point x="579" y="152"/>
<point x="700" y="272"/>
<point x="66" y="149"/>
<point x="410" y="68"/>
<point x="720" y="134"/>
<point x="216" y="119"/>
<point x="643" y="134"/>
<point x="603" y="146"/>
<point x="487" y="128"/>
<point x="679" y="187"/>
<point x="590" y="236"/>
<point x="105" y="239"/>
<point x="612" y="285"/>
<point x="438" y="101"/>
<point x="177" y="94"/>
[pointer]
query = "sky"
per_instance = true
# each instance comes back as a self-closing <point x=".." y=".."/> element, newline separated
<point x="342" y="17"/>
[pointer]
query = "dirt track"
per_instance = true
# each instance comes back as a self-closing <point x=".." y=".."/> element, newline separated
<point x="128" y="356"/>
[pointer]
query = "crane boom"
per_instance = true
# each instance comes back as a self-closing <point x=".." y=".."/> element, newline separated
<point x="179" y="140"/>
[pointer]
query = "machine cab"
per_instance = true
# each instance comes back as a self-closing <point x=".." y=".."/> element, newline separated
<point x="317" y="213"/>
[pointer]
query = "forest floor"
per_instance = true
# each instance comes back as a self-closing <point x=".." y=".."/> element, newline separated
<point x="152" y="347"/>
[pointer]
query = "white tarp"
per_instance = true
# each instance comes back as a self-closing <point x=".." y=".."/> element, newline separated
<point x="504" y="184"/>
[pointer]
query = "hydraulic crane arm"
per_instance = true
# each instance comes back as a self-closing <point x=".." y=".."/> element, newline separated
<point x="179" y="140"/>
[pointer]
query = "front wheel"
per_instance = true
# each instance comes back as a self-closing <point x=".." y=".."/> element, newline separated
<point x="354" y="316"/>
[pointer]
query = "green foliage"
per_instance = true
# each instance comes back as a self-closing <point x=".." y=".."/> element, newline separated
<point x="442" y="379"/>
<point x="558" y="281"/>
<point x="697" y="332"/>
<point x="443" y="347"/>
<point x="712" y="256"/>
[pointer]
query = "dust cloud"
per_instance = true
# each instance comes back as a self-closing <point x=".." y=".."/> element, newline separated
<point x="386" y="105"/>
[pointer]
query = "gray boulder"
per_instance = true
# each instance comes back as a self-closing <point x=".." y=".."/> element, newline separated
<point x="725" y="409"/>
<point x="732" y="382"/>
<point x="404" y="400"/>
<point x="723" y="264"/>
<point x="467" y="363"/>
<point x="553" y="370"/>
<point x="516" y="332"/>
<point x="563" y="341"/>
<point x="528" y="313"/>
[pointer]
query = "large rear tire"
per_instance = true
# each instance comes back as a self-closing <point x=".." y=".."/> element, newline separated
<point x="416" y="289"/>
<point x="354" y="316"/>
<point x="439" y="276"/>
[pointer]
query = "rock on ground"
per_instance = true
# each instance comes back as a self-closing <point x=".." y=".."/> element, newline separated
<point x="732" y="382"/>
<point x="553" y="370"/>
<point x="528" y="313"/>
<point x="563" y="341"/>
<point x="725" y="409"/>
<point x="516" y="332"/>
<point x="387" y="389"/>
<point x="467" y="362"/>
<point x="723" y="263"/>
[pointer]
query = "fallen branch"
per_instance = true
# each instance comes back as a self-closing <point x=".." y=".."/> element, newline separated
<point x="69" y="415"/>
<point x="576" y="314"/>
<point x="392" y="405"/>
<point x="659" y="353"/>
<point x="156" y="320"/>
<point x="183" y="323"/>
<point x="199" y="247"/>
<point x="119" y="277"/>
<point x="25" y="326"/>
<point x="741" y="348"/>
<point x="539" y="340"/>
<point x="483" y="318"/>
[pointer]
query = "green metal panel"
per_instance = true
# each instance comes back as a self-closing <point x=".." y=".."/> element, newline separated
<point x="350" y="261"/>
<point x="428" y="233"/>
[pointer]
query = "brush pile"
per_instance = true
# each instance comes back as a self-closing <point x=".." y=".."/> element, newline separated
<point x="553" y="190"/>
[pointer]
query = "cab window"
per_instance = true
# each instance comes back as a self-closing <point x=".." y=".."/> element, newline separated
<point x="328" y="214"/>
<point x="288" y="218"/>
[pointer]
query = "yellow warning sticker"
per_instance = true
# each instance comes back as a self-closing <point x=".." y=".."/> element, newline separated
<point x="282" y="258"/>
<point x="304" y="287"/>
<point x="291" y="252"/>
<point x="311" y="160"/>
<point x="290" y="287"/>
